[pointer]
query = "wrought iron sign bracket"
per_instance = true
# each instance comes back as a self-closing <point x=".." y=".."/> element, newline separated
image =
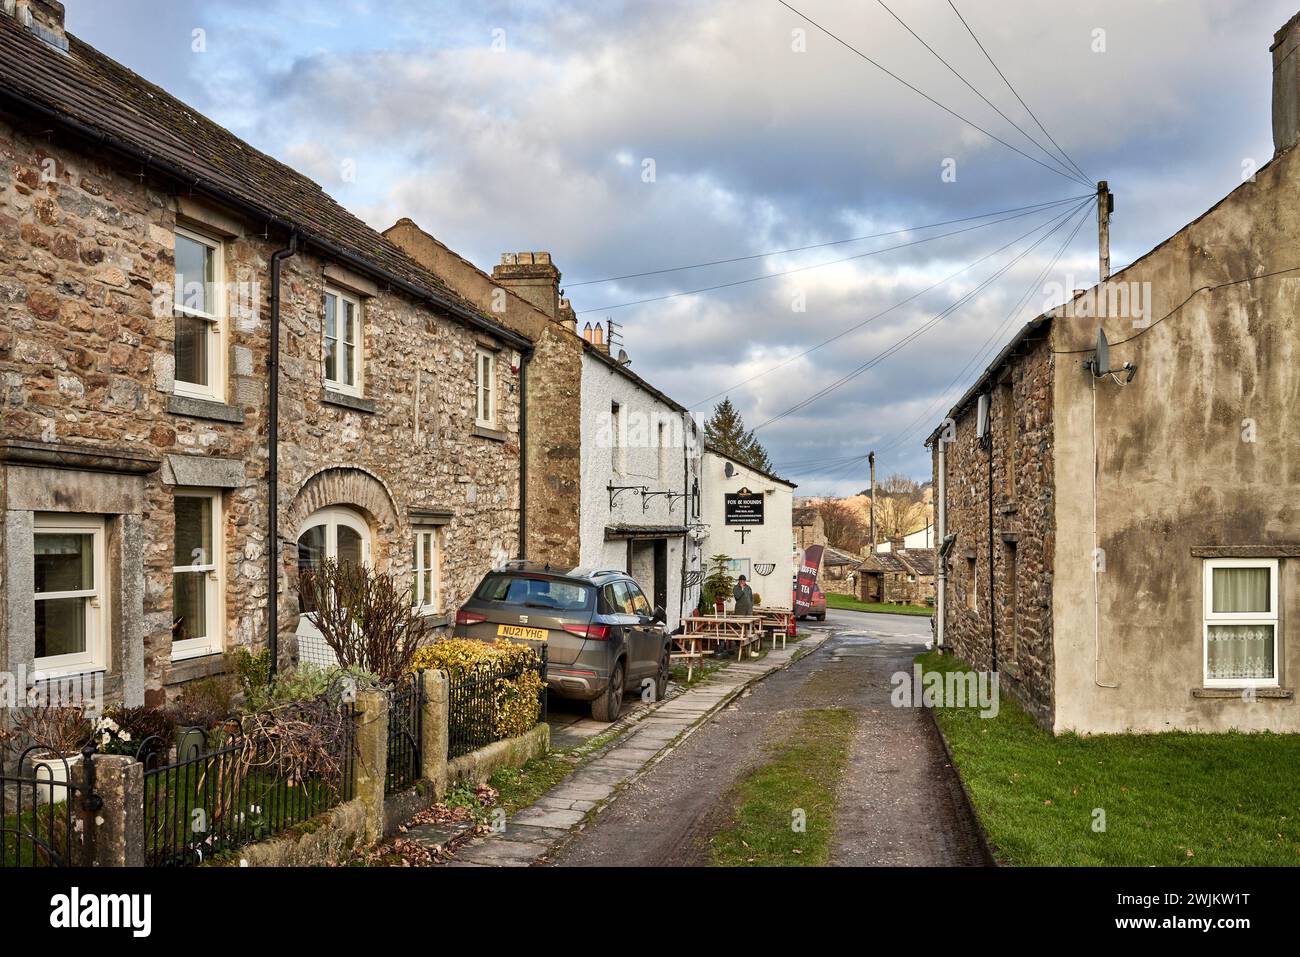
<point x="671" y="496"/>
<point x="616" y="490"/>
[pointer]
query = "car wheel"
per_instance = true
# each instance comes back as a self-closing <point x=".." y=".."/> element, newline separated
<point x="607" y="706"/>
<point x="661" y="679"/>
<point x="822" y="616"/>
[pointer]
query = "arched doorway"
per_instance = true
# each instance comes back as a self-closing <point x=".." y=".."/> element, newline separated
<point x="336" y="533"/>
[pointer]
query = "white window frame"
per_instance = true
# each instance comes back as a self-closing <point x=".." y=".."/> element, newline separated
<point x="427" y="604"/>
<point x="215" y="390"/>
<point x="95" y="657"/>
<point x="333" y="516"/>
<point x="358" y="347"/>
<point x="213" y="572"/>
<point x="485" y="399"/>
<point x="1211" y="617"/>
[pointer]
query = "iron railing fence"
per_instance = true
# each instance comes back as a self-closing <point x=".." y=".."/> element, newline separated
<point x="478" y="697"/>
<point x="43" y="798"/>
<point x="405" y="732"/>
<point x="219" y="789"/>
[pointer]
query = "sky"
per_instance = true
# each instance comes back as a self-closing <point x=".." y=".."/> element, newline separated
<point x="632" y="138"/>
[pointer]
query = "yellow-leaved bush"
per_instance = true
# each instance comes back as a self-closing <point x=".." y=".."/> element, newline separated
<point x="504" y="705"/>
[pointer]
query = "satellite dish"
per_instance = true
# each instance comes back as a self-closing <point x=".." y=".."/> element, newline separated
<point x="1102" y="364"/>
<point x="623" y="359"/>
<point x="1099" y="364"/>
<point x="729" y="470"/>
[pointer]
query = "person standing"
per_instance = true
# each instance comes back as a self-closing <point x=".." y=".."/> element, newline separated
<point x="744" y="596"/>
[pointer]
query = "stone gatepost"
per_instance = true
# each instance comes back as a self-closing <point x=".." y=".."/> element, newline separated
<point x="118" y="826"/>
<point x="371" y="765"/>
<point x="433" y="743"/>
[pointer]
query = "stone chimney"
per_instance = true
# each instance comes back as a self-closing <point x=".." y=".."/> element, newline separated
<point x="896" y="543"/>
<point x="533" y="278"/>
<point x="1286" y="85"/>
<point x="44" y="18"/>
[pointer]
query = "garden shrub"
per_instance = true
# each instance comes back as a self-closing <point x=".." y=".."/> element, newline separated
<point x="124" y="730"/>
<point x="512" y="705"/>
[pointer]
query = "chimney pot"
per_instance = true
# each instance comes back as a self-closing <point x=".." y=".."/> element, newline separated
<point x="597" y="335"/>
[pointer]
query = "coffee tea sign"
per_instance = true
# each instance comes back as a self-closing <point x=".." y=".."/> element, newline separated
<point x="743" y="507"/>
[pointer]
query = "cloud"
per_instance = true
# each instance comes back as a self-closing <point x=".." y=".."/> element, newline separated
<point x="508" y="126"/>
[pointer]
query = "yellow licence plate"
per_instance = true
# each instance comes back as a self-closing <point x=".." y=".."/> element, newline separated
<point x="519" y="631"/>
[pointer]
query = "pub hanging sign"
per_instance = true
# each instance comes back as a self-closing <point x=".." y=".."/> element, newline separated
<point x="743" y="507"/>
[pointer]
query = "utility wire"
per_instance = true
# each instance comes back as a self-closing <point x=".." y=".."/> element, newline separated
<point x="800" y="249"/>
<point x="884" y="312"/>
<point x="1178" y="308"/>
<point x="951" y="112"/>
<point x="900" y="344"/>
<point x="799" y="269"/>
<point x="953" y="70"/>
<point x="899" y="437"/>
<point x="1013" y="90"/>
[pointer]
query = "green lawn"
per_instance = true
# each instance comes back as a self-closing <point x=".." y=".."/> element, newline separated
<point x="519" y="787"/>
<point x="801" y="775"/>
<point x="1168" y="799"/>
<point x="848" y="603"/>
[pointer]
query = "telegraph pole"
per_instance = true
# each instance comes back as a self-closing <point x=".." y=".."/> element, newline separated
<point x="871" y="459"/>
<point x="1105" y="206"/>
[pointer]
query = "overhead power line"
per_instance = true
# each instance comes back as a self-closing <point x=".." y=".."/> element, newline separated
<point x="953" y="70"/>
<point x="872" y="318"/>
<point x="900" y="344"/>
<point x="923" y="419"/>
<point x="1068" y="159"/>
<point x="835" y="242"/>
<point x="848" y="46"/>
<point x="799" y="269"/>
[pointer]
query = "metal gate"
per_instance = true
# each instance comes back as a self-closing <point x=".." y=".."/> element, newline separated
<point x="45" y="804"/>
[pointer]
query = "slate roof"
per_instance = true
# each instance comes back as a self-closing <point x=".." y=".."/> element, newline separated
<point x="804" y="516"/>
<point x="103" y="101"/>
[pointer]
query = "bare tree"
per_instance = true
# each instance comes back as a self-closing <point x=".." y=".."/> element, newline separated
<point x="844" y="526"/>
<point x="367" y="620"/>
<point x="898" y="507"/>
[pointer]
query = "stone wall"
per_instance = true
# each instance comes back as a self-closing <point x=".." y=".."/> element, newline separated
<point x="1023" y="521"/>
<point x="86" y="359"/>
<point x="533" y="309"/>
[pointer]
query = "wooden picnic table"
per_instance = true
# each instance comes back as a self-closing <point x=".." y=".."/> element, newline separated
<point x="687" y="647"/>
<point x="776" y="620"/>
<point x="744" y="630"/>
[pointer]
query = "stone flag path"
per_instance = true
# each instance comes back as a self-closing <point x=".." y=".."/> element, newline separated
<point x="538" y="830"/>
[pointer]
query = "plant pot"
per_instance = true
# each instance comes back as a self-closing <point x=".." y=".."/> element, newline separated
<point x="53" y="775"/>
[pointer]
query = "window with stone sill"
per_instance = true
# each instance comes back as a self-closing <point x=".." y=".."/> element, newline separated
<point x="1241" y="628"/>
<point x="70" y="577"/>
<point x="344" y="343"/>
<point x="198" y="314"/>
<point x="485" y="389"/>
<point x="198" y="612"/>
<point x="427" y="566"/>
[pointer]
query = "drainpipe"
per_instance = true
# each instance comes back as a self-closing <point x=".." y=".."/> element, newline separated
<point x="993" y="616"/>
<point x="941" y="527"/>
<point x="273" y="459"/>
<point x="523" y="454"/>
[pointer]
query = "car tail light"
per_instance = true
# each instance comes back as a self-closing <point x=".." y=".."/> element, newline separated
<point x="469" y="618"/>
<point x="594" y="632"/>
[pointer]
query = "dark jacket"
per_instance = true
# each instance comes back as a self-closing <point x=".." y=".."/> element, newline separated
<point x="744" y="596"/>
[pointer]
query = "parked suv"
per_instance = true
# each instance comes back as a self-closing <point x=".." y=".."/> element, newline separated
<point x="601" y="635"/>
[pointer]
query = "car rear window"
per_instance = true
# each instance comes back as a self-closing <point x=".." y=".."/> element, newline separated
<point x="536" y="592"/>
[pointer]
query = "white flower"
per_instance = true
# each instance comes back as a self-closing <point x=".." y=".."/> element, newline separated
<point x="125" y="736"/>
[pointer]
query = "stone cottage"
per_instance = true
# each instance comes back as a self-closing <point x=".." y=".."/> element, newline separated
<point x="897" y="575"/>
<point x="1138" y="565"/>
<point x="613" y="464"/>
<point x="215" y="376"/>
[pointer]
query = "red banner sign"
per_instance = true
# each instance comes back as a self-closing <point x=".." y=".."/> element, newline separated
<point x="803" y="589"/>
